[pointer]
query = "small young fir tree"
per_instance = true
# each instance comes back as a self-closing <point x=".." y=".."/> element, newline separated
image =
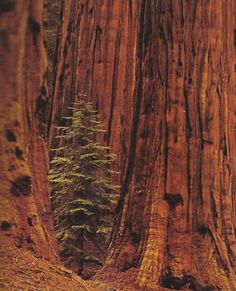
<point x="82" y="191"/>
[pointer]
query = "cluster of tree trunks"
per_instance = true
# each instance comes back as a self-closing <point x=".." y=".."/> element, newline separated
<point x="161" y="74"/>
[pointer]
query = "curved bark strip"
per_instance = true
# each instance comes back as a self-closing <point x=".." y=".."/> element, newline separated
<point x="162" y="76"/>
<point x="25" y="207"/>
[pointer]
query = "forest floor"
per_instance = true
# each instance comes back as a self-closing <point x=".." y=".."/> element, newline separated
<point x="112" y="280"/>
<point x="21" y="271"/>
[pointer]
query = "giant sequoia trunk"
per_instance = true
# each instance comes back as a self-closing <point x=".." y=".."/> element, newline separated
<point x="162" y="76"/>
<point x="88" y="62"/>
<point x="25" y="207"/>
<point x="181" y="163"/>
<point x="25" y="216"/>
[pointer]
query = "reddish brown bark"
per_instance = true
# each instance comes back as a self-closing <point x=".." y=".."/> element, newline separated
<point x="26" y="230"/>
<point x="162" y="76"/>
<point x="88" y="62"/>
<point x="25" y="206"/>
<point x="183" y="167"/>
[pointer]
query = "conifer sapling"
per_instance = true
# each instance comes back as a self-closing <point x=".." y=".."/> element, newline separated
<point x="82" y="191"/>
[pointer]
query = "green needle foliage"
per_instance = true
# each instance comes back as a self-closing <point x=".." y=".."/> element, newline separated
<point x="82" y="190"/>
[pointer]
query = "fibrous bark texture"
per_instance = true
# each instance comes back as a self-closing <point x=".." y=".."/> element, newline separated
<point x="24" y="205"/>
<point x="28" y="250"/>
<point x="162" y="76"/>
<point x="88" y="61"/>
